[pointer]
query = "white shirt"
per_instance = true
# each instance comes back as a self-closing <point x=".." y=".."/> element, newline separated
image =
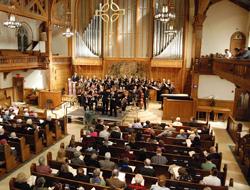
<point x="104" y="134"/>
<point x="211" y="180"/>
<point x="177" y="123"/>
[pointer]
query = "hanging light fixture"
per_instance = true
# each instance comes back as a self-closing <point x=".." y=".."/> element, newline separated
<point x="11" y="22"/>
<point x="68" y="33"/>
<point x="166" y="14"/>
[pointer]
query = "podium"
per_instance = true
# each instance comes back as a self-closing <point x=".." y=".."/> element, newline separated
<point x="178" y="105"/>
<point x="49" y="99"/>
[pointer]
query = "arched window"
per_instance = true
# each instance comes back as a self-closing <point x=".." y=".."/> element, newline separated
<point x="22" y="38"/>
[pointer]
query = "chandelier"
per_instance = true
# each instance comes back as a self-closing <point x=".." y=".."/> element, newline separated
<point x="166" y="14"/>
<point x="116" y="12"/>
<point x="11" y="22"/>
<point x="68" y="33"/>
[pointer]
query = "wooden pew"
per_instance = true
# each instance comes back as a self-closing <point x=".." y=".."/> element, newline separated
<point x="148" y="180"/>
<point x="8" y="159"/>
<point x="23" y="149"/>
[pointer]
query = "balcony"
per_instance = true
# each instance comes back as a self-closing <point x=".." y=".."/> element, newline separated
<point x="234" y="70"/>
<point x="14" y="60"/>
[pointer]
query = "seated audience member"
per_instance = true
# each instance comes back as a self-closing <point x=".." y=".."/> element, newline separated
<point x="124" y="167"/>
<point x="158" y="158"/>
<point x="184" y="175"/>
<point x="99" y="126"/>
<point x="152" y="139"/>
<point x="104" y="133"/>
<point x="80" y="176"/>
<point x="127" y="153"/>
<point x="228" y="54"/>
<point x="196" y="143"/>
<point x="213" y="155"/>
<point x="97" y="179"/>
<point x="147" y="169"/>
<point x="147" y="124"/>
<point x="142" y="154"/>
<point x="107" y="164"/>
<point x="64" y="172"/>
<point x="92" y="132"/>
<point x="132" y="142"/>
<point x="137" y="185"/>
<point x="212" y="179"/>
<point x="149" y="131"/>
<point x="114" y="182"/>
<point x="92" y="161"/>
<point x="21" y="182"/>
<point x="208" y="164"/>
<point x="137" y="124"/>
<point x="194" y="133"/>
<point x="3" y="135"/>
<point x="42" y="167"/>
<point x="161" y="183"/>
<point x="13" y="137"/>
<point x="61" y="154"/>
<point x="168" y="131"/>
<point x="177" y="122"/>
<point x="207" y="188"/>
<point x="116" y="133"/>
<point x="182" y="134"/>
<point x="39" y="184"/>
<point x="76" y="160"/>
<point x="246" y="54"/>
<point x="72" y="144"/>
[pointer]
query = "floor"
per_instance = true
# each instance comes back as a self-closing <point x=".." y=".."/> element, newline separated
<point x="154" y="114"/>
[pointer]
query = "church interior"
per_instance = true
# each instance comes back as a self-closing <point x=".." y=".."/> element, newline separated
<point x="124" y="94"/>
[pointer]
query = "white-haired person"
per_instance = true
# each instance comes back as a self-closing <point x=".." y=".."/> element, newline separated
<point x="106" y="163"/>
<point x="97" y="178"/>
<point x="104" y="133"/>
<point x="137" y="183"/>
<point x="21" y="182"/>
<point x="147" y="169"/>
<point x="42" y="167"/>
<point x="3" y="135"/>
<point x="177" y="122"/>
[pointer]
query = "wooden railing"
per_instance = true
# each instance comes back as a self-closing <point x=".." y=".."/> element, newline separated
<point x="61" y="59"/>
<point x="235" y="70"/>
<point x="9" y="63"/>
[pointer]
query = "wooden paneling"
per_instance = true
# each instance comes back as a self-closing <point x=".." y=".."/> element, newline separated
<point x="6" y="96"/>
<point x="166" y="63"/>
<point x="174" y="74"/>
<point x="45" y="95"/>
<point x="178" y="108"/>
<point x="88" y="61"/>
<point x="88" y="70"/>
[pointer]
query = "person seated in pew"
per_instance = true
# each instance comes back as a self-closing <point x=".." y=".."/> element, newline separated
<point x="142" y="154"/>
<point x="114" y="182"/>
<point x="64" y="172"/>
<point x="92" y="132"/>
<point x="208" y="164"/>
<point x="132" y="142"/>
<point x="61" y="154"/>
<point x="107" y="164"/>
<point x="100" y="125"/>
<point x="182" y="134"/>
<point x="147" y="124"/>
<point x="6" y="116"/>
<point x="137" y="124"/>
<point x="147" y="169"/>
<point x="72" y="144"/>
<point x="193" y="133"/>
<point x="213" y="155"/>
<point x="123" y="165"/>
<point x="80" y="176"/>
<point x="42" y="167"/>
<point x="137" y="183"/>
<point x="212" y="179"/>
<point x="3" y="135"/>
<point x="184" y="175"/>
<point x="158" y="158"/>
<point x="196" y="143"/>
<point x="29" y="127"/>
<point x="21" y="182"/>
<point x="128" y="153"/>
<point x="161" y="183"/>
<point x="152" y="139"/>
<point x="76" y="160"/>
<point x="168" y="131"/>
<point x="104" y="133"/>
<point x="177" y="122"/>
<point x="13" y="137"/>
<point x="116" y="133"/>
<point x="39" y="184"/>
<point x="92" y="160"/>
<point x="97" y="179"/>
<point x="149" y="131"/>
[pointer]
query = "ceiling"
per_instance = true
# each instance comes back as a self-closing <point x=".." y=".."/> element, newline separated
<point x="243" y="3"/>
